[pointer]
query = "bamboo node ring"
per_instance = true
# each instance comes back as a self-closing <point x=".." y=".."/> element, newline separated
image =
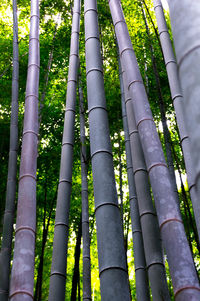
<point x="157" y="164"/>
<point x="61" y="224"/>
<point x="101" y="151"/>
<point x="21" y="292"/>
<point x="185" y="288"/>
<point x="93" y="69"/>
<point x="111" y="268"/>
<point x="134" y="82"/>
<point x="27" y="175"/>
<point x="106" y="204"/>
<point x="57" y="273"/>
<point x="30" y="132"/>
<point x="25" y="228"/>
<point x="90" y="9"/>
<point x="170" y="220"/>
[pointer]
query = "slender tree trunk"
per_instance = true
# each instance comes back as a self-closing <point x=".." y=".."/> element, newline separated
<point x="38" y="288"/>
<point x="111" y="253"/>
<point x="185" y="199"/>
<point x="5" y="254"/>
<point x="185" y="284"/>
<point x="120" y="178"/>
<point x="167" y="138"/>
<point x="186" y="33"/>
<point x="84" y="196"/>
<point x="46" y="78"/>
<point x="75" y="278"/>
<point x="61" y="230"/>
<point x="22" y="277"/>
<point x="142" y="286"/>
<point x="176" y="93"/>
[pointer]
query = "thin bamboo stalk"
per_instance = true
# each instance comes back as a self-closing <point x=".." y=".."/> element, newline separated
<point x="84" y="196"/>
<point x="148" y="218"/>
<point x="182" y="268"/>
<point x="6" y="248"/>
<point x="111" y="253"/>
<point x="61" y="228"/>
<point x="142" y="286"/>
<point x="166" y="133"/>
<point x="176" y="94"/>
<point x="22" y="277"/>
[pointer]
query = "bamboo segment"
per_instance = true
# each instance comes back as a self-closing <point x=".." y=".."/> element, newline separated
<point x="22" y="278"/>
<point x="6" y="248"/>
<point x="84" y="196"/>
<point x="111" y="253"/>
<point x="142" y="286"/>
<point x="184" y="277"/>
<point x="61" y="228"/>
<point x="176" y="93"/>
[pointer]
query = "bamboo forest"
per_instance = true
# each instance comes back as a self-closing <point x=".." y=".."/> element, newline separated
<point x="99" y="150"/>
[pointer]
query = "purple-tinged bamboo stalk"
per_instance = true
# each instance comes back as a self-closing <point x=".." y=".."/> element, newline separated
<point x="22" y="277"/>
<point x="61" y="228"/>
<point x="166" y="133"/>
<point x="5" y="254"/>
<point x="111" y="253"/>
<point x="85" y="209"/>
<point x="182" y="269"/>
<point x="148" y="218"/>
<point x="142" y="286"/>
<point x="176" y="93"/>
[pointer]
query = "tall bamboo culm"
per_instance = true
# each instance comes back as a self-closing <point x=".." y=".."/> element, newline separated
<point x="177" y="98"/>
<point x="22" y="277"/>
<point x="185" y="23"/>
<point x="61" y="228"/>
<point x="182" y="269"/>
<point x="84" y="196"/>
<point x="6" y="247"/>
<point x="166" y="133"/>
<point x="142" y="285"/>
<point x="111" y="253"/>
<point x="148" y="218"/>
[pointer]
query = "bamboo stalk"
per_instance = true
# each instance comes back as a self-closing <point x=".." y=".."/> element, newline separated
<point x="142" y="286"/>
<point x="84" y="197"/>
<point x="185" y="23"/>
<point x="22" y="277"/>
<point x="61" y="228"/>
<point x="182" y="268"/>
<point x="178" y="102"/>
<point x="111" y="253"/>
<point x="6" y="248"/>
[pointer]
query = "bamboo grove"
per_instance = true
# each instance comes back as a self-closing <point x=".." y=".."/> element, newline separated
<point x="99" y="149"/>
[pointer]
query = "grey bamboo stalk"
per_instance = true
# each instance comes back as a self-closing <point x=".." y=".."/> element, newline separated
<point x="6" y="247"/>
<point x="176" y="93"/>
<point x="22" y="277"/>
<point x="111" y="253"/>
<point x="185" y="22"/>
<point x="84" y="196"/>
<point x="148" y="218"/>
<point x="61" y="228"/>
<point x="142" y="286"/>
<point x="166" y="133"/>
<point x="185" y="283"/>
